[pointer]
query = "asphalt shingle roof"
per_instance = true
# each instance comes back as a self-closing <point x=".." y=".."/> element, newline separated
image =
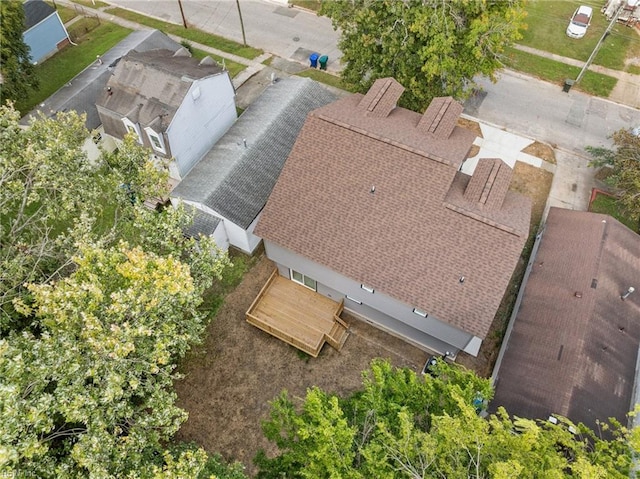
<point x="81" y="93"/>
<point x="573" y="347"/>
<point x="235" y="179"/>
<point x="35" y="11"/>
<point x="381" y="202"/>
<point x="152" y="84"/>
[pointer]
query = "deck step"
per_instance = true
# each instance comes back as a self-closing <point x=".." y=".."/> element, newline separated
<point x="338" y="336"/>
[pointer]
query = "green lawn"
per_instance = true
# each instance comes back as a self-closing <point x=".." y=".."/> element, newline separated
<point x="91" y="3"/>
<point x="609" y="205"/>
<point x="550" y="70"/>
<point x="191" y="34"/>
<point x="323" y="77"/>
<point x="65" y="13"/>
<point x="547" y="22"/>
<point x="64" y="65"/>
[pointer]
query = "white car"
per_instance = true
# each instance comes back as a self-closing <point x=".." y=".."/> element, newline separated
<point x="579" y="22"/>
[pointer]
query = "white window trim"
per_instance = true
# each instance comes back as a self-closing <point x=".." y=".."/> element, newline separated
<point x="302" y="283"/>
<point x="420" y="312"/>
<point x="353" y="299"/>
<point x="129" y="124"/>
<point x="151" y="133"/>
<point x="368" y="289"/>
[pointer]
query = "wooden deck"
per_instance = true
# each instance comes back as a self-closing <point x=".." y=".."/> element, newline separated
<point x="298" y="315"/>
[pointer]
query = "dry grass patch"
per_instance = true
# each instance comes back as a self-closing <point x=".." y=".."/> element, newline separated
<point x="542" y="151"/>
<point x="474" y="126"/>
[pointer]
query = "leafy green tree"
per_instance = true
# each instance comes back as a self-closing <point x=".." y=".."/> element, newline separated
<point x="18" y="74"/>
<point x="52" y="199"/>
<point x="99" y="298"/>
<point x="624" y="159"/>
<point x="92" y="391"/>
<point x="432" y="47"/>
<point x="401" y="425"/>
<point x="47" y="186"/>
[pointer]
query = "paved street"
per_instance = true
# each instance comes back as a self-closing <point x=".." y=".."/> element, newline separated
<point x="289" y="33"/>
<point x="542" y="110"/>
<point x="518" y="103"/>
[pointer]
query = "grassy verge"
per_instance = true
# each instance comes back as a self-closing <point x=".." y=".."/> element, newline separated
<point x="609" y="205"/>
<point x="553" y="71"/>
<point x="91" y="3"/>
<point x="64" y="65"/>
<point x="65" y="13"/>
<point x="192" y="34"/>
<point x="633" y="69"/>
<point x="547" y="22"/>
<point x="323" y="77"/>
<point x="308" y="4"/>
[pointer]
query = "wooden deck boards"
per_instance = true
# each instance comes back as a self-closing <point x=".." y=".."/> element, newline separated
<point x="297" y="315"/>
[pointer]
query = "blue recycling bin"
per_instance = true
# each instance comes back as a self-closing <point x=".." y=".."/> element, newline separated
<point x="313" y="60"/>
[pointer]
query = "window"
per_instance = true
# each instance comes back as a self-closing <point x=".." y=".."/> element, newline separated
<point x="354" y="300"/>
<point x="156" y="140"/>
<point x="303" y="280"/>
<point x="419" y="312"/>
<point x="368" y="289"/>
<point x="132" y="128"/>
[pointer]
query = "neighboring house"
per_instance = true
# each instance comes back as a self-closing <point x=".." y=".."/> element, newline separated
<point x="232" y="182"/>
<point x="45" y="33"/>
<point x="174" y="104"/>
<point x="82" y="92"/>
<point x="370" y="209"/>
<point x="573" y="346"/>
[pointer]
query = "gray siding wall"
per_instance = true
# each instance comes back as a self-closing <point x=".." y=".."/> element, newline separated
<point x="382" y="310"/>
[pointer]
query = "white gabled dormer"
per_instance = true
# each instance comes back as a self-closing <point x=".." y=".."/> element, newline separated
<point x="156" y="140"/>
<point x="133" y="128"/>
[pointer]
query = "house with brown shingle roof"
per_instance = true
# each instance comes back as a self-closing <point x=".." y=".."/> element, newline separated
<point x="372" y="210"/>
<point x="174" y="104"/>
<point x="572" y="349"/>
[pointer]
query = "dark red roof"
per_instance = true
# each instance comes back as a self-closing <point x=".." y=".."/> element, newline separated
<point x="574" y="343"/>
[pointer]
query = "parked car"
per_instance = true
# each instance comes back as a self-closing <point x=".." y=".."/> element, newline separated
<point x="579" y="22"/>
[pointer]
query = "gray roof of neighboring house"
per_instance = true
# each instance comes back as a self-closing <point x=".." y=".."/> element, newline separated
<point x="81" y="93"/>
<point x="203" y="223"/>
<point x="372" y="192"/>
<point x="151" y="85"/>
<point x="35" y="11"/>
<point x="234" y="180"/>
<point x="574" y="343"/>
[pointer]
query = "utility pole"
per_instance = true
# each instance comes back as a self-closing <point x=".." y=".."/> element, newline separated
<point x="599" y="44"/>
<point x="184" y="20"/>
<point x="244" y="39"/>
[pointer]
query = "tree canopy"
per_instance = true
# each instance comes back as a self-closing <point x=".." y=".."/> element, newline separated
<point x="401" y="425"/>
<point x="432" y="47"/>
<point x="18" y="74"/>
<point x="100" y="297"/>
<point x="624" y="159"/>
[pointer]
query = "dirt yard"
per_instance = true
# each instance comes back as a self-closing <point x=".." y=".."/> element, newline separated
<point x="231" y="378"/>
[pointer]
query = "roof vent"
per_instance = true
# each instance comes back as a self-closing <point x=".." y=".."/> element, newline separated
<point x="441" y="117"/>
<point x="489" y="184"/>
<point x="381" y="98"/>
<point x="182" y="52"/>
